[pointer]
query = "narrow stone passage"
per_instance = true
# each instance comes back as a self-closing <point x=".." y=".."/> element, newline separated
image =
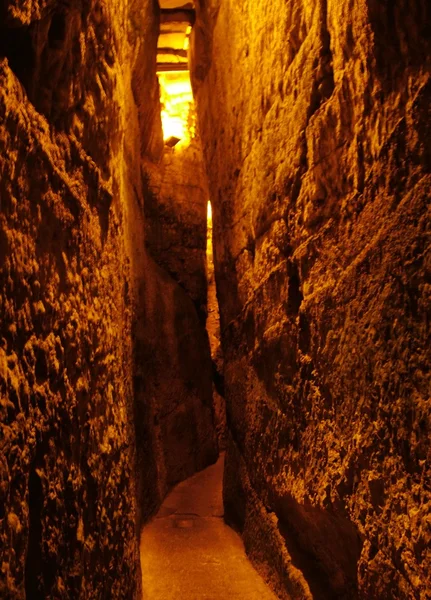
<point x="187" y="551"/>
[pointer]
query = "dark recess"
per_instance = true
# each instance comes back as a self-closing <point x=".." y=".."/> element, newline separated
<point x="57" y="30"/>
<point x="294" y="294"/>
<point x="33" y="565"/>
<point x="218" y="379"/>
<point x="17" y="46"/>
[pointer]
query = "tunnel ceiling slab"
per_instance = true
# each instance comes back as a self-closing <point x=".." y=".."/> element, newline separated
<point x="179" y="4"/>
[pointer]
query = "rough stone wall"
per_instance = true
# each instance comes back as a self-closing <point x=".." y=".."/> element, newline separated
<point x="79" y="121"/>
<point x="67" y="451"/>
<point x="175" y="219"/>
<point x="176" y="418"/>
<point x="315" y="120"/>
<point x="69" y="514"/>
<point x="174" y="414"/>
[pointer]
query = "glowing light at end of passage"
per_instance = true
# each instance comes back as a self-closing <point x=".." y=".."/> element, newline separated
<point x="177" y="103"/>
<point x="172" y="126"/>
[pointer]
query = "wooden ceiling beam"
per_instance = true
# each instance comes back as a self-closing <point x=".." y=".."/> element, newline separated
<point x="173" y="51"/>
<point x="163" y="67"/>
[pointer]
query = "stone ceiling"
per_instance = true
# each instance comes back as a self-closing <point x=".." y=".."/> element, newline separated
<point x="176" y="20"/>
<point x="176" y="4"/>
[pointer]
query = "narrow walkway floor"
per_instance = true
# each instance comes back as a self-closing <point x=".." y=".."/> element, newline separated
<point x="188" y="553"/>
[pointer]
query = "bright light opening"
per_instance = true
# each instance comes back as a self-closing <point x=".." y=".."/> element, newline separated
<point x="187" y="40"/>
<point x="210" y="263"/>
<point x="176" y="98"/>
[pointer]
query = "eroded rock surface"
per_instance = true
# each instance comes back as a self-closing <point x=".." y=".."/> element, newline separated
<point x="315" y="123"/>
<point x="67" y="442"/>
<point x="173" y="387"/>
<point x="176" y="219"/>
<point x="79" y="127"/>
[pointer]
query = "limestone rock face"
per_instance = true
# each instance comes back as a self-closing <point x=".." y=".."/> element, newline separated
<point x="69" y="513"/>
<point x="176" y="219"/>
<point x="173" y="388"/>
<point x="79" y="127"/>
<point x="315" y="123"/>
<point x="213" y="328"/>
<point x="175" y="417"/>
<point x="67" y="451"/>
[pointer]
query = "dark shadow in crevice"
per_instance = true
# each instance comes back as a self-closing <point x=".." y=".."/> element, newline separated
<point x="307" y="564"/>
<point x="16" y="45"/>
<point x="218" y="379"/>
<point x="40" y="568"/>
<point x="147" y="495"/>
<point x="34" y="563"/>
<point x="294" y="294"/>
<point x="57" y="31"/>
<point x="328" y="563"/>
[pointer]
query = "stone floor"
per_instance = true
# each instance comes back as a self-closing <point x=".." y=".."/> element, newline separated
<point x="188" y="553"/>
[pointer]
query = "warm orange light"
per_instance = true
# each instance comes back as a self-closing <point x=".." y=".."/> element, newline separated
<point x="210" y="264"/>
<point x="186" y="44"/>
<point x="177" y="101"/>
<point x="172" y="126"/>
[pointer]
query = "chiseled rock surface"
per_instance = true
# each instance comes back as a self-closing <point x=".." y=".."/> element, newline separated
<point x="174" y="413"/>
<point x="175" y="416"/>
<point x="68" y="512"/>
<point x="176" y="219"/>
<point x="79" y="123"/>
<point x="314" y="116"/>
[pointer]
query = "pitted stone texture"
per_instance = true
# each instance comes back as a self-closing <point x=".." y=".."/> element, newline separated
<point x="78" y="127"/>
<point x="173" y="388"/>
<point x="314" y="118"/>
<point x="176" y="220"/>
<point x="67" y="441"/>
<point x="174" y="383"/>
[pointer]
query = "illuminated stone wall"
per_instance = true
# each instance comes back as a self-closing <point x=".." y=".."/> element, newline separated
<point x="69" y="514"/>
<point x="315" y="123"/>
<point x="175" y="219"/>
<point x="176" y="372"/>
<point x="89" y="324"/>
